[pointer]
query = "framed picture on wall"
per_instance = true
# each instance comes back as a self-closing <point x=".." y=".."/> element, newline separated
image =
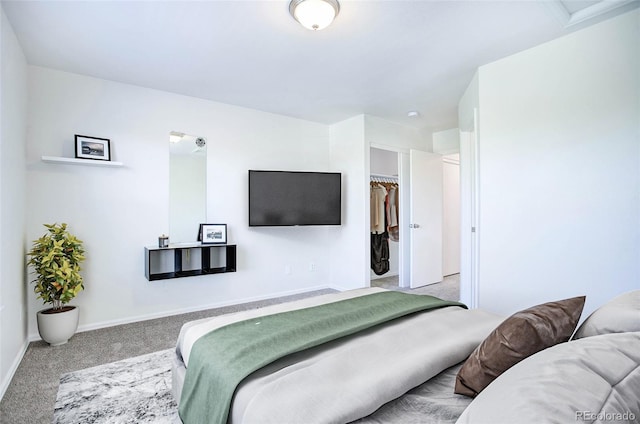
<point x="213" y="233"/>
<point x="92" y="148"/>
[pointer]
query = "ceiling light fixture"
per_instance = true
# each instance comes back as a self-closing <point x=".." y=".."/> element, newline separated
<point x="314" y="14"/>
<point x="413" y="114"/>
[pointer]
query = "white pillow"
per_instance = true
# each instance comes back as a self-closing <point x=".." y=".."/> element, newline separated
<point x="620" y="315"/>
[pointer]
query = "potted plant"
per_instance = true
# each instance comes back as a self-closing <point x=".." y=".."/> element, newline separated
<point x="55" y="258"/>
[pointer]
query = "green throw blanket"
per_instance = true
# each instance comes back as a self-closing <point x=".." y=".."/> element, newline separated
<point x="221" y="359"/>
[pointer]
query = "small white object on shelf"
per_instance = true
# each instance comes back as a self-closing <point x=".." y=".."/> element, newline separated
<point x="73" y="161"/>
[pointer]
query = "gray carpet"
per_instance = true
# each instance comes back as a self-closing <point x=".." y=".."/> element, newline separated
<point x="39" y="373"/>
<point x="31" y="396"/>
<point x="448" y="289"/>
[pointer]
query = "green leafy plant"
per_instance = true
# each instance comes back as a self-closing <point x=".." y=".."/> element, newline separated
<point x="56" y="258"/>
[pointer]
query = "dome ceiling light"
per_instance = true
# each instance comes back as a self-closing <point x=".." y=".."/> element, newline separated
<point x="314" y="14"/>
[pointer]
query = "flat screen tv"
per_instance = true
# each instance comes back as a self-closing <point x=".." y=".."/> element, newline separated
<point x="286" y="198"/>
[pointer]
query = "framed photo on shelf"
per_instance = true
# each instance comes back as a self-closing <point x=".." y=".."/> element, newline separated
<point x="213" y="234"/>
<point x="92" y="148"/>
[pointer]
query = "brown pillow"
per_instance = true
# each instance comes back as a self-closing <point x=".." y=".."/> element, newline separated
<point x="519" y="336"/>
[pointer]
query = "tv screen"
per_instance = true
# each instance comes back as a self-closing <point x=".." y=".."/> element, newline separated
<point x="279" y="198"/>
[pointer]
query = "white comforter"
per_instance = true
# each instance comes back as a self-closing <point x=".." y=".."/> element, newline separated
<point x="349" y="378"/>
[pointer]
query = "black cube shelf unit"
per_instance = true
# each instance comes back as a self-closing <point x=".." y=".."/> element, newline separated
<point x="153" y="256"/>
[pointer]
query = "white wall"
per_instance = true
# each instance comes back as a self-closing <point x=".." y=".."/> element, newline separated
<point x="559" y="155"/>
<point x="348" y="250"/>
<point x="350" y="154"/>
<point x="13" y="121"/>
<point x="117" y="211"/>
<point x="382" y="133"/>
<point x="384" y="162"/>
<point x="469" y="101"/>
<point x="446" y="142"/>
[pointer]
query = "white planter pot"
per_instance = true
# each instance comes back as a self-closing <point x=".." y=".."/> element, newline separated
<point x="57" y="328"/>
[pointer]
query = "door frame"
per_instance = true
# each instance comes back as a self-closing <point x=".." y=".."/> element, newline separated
<point x="469" y="213"/>
<point x="469" y="257"/>
<point x="403" y="199"/>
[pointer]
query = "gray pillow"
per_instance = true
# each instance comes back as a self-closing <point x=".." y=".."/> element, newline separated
<point x="620" y="315"/>
<point x="593" y="380"/>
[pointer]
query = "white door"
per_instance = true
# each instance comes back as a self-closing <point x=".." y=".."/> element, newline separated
<point x="425" y="218"/>
<point x="469" y="219"/>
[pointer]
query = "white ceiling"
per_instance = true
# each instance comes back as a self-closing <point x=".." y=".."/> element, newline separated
<point x="381" y="58"/>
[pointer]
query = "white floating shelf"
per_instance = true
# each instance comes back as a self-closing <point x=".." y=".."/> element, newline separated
<point x="73" y="161"/>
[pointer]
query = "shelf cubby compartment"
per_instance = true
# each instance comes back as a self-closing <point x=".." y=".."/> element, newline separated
<point x="188" y="260"/>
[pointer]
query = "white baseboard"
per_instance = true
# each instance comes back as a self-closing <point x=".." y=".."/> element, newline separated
<point x="14" y="367"/>
<point x="145" y="317"/>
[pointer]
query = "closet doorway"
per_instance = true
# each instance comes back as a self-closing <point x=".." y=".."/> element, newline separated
<point x="441" y="186"/>
<point x="388" y="197"/>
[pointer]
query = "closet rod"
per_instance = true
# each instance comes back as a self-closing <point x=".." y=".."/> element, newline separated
<point x="385" y="176"/>
<point x="380" y="178"/>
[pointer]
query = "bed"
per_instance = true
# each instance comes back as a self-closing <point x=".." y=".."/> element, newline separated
<point x="399" y="370"/>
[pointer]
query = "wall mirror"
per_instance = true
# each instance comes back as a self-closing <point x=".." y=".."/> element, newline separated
<point x="187" y="186"/>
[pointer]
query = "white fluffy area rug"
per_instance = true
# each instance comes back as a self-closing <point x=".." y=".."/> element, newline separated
<point x="135" y="390"/>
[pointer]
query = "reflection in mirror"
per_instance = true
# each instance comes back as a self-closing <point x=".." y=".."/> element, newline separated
<point x="187" y="186"/>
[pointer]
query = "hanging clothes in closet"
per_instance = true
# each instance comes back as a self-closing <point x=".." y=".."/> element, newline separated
<point x="384" y="221"/>
<point x="394" y="228"/>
